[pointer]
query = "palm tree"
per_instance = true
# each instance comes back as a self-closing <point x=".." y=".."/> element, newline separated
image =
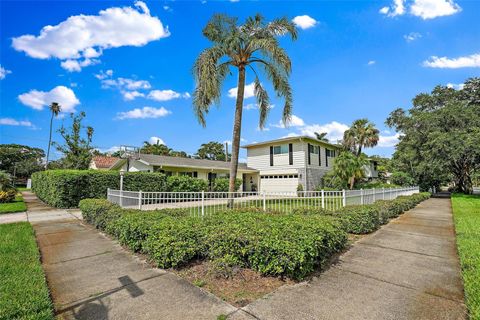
<point x="349" y="167"/>
<point x="157" y="149"/>
<point x="55" y="109"/>
<point x="362" y="134"/>
<point x="321" y="136"/>
<point x="244" y="47"/>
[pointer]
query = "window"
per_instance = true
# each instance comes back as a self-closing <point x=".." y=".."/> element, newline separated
<point x="280" y="149"/>
<point x="375" y="165"/>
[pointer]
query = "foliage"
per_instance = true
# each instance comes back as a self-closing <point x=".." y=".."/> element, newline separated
<point x="23" y="290"/>
<point x="466" y="214"/>
<point x="7" y="190"/>
<point x="221" y="184"/>
<point x="77" y="150"/>
<point x="361" y="134"/>
<point x="375" y="184"/>
<point x="346" y="168"/>
<point x="21" y="159"/>
<point x="291" y="245"/>
<point x="17" y="205"/>
<point x="244" y="47"/>
<point x="55" y="109"/>
<point x="321" y="136"/>
<point x="439" y="136"/>
<point x="402" y="179"/>
<point x="160" y="149"/>
<point x="212" y="151"/>
<point x="65" y="188"/>
<point x="7" y="196"/>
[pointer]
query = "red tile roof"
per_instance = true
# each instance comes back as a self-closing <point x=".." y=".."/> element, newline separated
<point x="104" y="162"/>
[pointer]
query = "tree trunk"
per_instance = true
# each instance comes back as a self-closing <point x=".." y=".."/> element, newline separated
<point x="237" y="128"/>
<point x="49" y="142"/>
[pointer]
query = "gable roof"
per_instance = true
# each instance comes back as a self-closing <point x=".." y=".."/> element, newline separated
<point x="288" y="139"/>
<point x="104" y="162"/>
<point x="169" y="161"/>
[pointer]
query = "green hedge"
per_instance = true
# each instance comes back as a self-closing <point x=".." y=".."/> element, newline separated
<point x="290" y="245"/>
<point x="65" y="188"/>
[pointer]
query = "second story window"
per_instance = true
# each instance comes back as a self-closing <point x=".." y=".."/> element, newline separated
<point x="280" y="149"/>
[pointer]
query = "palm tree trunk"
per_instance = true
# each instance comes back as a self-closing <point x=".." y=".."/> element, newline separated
<point x="237" y="127"/>
<point x="49" y="142"/>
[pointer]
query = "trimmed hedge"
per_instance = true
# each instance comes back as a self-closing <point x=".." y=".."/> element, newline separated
<point x="65" y="188"/>
<point x="290" y="245"/>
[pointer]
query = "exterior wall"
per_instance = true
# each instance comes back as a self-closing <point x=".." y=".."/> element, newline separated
<point x="370" y="171"/>
<point x="318" y="167"/>
<point x="136" y="166"/>
<point x="259" y="158"/>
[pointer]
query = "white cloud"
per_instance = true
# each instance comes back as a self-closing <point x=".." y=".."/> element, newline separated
<point x="82" y="37"/>
<point x="456" y="86"/>
<point x="388" y="141"/>
<point x="3" y="72"/>
<point x="13" y="122"/>
<point x="77" y="65"/>
<point x="165" y="95"/>
<point x="304" y="22"/>
<point x="156" y="140"/>
<point x="39" y="99"/>
<point x="333" y="129"/>
<point x="254" y="106"/>
<point x="429" y="9"/>
<point x="412" y="36"/>
<point x="425" y="9"/>
<point x="144" y="113"/>
<point x="126" y="83"/>
<point x="131" y="95"/>
<point x="248" y="93"/>
<point x="396" y="9"/>
<point x="295" y="121"/>
<point x="371" y="62"/>
<point x="471" y="61"/>
<point x="104" y="74"/>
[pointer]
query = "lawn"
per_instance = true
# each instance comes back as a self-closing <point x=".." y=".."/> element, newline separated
<point x="466" y="211"/>
<point x="23" y="290"/>
<point x="16" y="206"/>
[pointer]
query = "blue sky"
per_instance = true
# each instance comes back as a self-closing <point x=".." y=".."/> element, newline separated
<point x="128" y="66"/>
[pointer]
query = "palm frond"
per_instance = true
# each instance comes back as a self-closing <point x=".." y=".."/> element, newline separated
<point x="263" y="102"/>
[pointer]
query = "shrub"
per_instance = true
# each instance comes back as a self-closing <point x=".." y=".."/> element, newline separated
<point x="359" y="219"/>
<point x="402" y="179"/>
<point x="7" y="196"/>
<point x="186" y="184"/>
<point x="221" y="184"/>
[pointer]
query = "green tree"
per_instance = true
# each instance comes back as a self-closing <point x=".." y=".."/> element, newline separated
<point x="55" y="109"/>
<point x="439" y="137"/>
<point x="361" y="134"/>
<point x="321" y="136"/>
<point x="243" y="47"/>
<point x="212" y="151"/>
<point x="76" y="149"/>
<point x="20" y="160"/>
<point x="155" y="148"/>
<point x="348" y="167"/>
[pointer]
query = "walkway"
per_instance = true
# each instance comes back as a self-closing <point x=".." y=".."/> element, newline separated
<point x="92" y="277"/>
<point x="407" y="270"/>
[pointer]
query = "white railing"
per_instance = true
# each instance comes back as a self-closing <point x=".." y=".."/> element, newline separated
<point x="201" y="203"/>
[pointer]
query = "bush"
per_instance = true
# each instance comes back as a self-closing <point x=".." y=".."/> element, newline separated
<point x="65" y="188"/>
<point x="402" y="179"/>
<point x="221" y="184"/>
<point x="359" y="219"/>
<point x="375" y="184"/>
<point x="7" y="196"/>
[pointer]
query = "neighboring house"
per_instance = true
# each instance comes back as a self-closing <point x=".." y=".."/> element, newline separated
<point x="272" y="166"/>
<point x="371" y="169"/>
<point x="197" y="168"/>
<point x="285" y="163"/>
<point x="102" y="162"/>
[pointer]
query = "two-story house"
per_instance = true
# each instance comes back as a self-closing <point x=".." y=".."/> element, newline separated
<point x="285" y="163"/>
<point x="272" y="166"/>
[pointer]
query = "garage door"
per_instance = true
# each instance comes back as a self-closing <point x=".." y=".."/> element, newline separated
<point x="279" y="183"/>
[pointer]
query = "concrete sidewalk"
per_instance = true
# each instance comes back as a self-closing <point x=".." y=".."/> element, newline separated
<point x="407" y="270"/>
<point x="92" y="277"/>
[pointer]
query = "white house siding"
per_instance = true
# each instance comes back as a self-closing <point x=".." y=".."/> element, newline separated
<point x="313" y="172"/>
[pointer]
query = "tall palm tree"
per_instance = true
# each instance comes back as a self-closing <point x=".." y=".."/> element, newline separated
<point x="349" y="167"/>
<point x="321" y="136"/>
<point x="362" y="134"/>
<point x="55" y="109"/>
<point x="244" y="47"/>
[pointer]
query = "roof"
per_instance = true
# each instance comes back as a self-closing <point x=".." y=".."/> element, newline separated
<point x="168" y="161"/>
<point x="104" y="162"/>
<point x="287" y="139"/>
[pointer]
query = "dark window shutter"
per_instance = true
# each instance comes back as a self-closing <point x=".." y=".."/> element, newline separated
<point x="309" y="158"/>
<point x="326" y="157"/>
<point x="271" y="156"/>
<point x="290" y="154"/>
<point x="195" y="174"/>
<point x="319" y="156"/>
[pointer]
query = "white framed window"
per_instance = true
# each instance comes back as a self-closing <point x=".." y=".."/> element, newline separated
<point x="281" y="149"/>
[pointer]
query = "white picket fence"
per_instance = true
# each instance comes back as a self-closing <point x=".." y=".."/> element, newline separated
<point x="201" y="203"/>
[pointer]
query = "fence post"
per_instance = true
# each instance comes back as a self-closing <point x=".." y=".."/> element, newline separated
<point x="373" y="195"/>
<point x="361" y="196"/>
<point x="344" y="196"/>
<point x="203" y="202"/>
<point x="108" y="194"/>
<point x="383" y="193"/>
<point x="323" y="199"/>
<point x="264" y="201"/>
<point x="140" y="200"/>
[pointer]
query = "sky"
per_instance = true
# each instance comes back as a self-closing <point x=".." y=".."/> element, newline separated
<point x="128" y="65"/>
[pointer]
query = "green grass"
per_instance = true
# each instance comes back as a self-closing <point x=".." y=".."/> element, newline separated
<point x="466" y="212"/>
<point x="16" y="206"/>
<point x="23" y="289"/>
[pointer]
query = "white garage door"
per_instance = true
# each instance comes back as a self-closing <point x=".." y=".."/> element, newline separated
<point x="279" y="183"/>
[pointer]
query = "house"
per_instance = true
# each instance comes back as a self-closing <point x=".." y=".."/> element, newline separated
<point x="284" y="164"/>
<point x="279" y="165"/>
<point x="371" y="169"/>
<point x="102" y="162"/>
